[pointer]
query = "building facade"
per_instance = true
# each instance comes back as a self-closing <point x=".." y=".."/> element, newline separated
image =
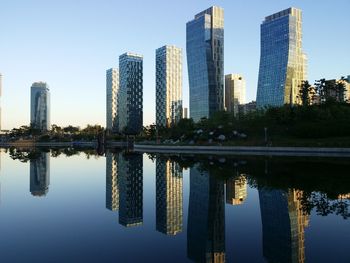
<point x="40" y="174"/>
<point x="235" y="90"/>
<point x="168" y="85"/>
<point x="205" y="62"/>
<point x="40" y="106"/>
<point x="282" y="61"/>
<point x="112" y="187"/>
<point x="168" y="197"/>
<point x="130" y="99"/>
<point x="236" y="190"/>
<point x="112" y="86"/>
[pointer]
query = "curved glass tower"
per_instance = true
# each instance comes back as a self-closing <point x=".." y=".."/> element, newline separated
<point x="40" y="106"/>
<point x="205" y="62"/>
<point x="282" y="62"/>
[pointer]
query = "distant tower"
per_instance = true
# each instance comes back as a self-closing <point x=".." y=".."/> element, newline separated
<point x="205" y="62"/>
<point x="40" y="174"/>
<point x="282" y="61"/>
<point x="112" y="191"/>
<point x="168" y="197"/>
<point x="168" y="85"/>
<point x="235" y="89"/>
<point x="112" y="87"/>
<point x="130" y="99"/>
<point x="185" y="113"/>
<point x="40" y="106"/>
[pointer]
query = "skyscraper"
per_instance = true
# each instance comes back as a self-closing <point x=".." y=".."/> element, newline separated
<point x="282" y="61"/>
<point x="40" y="106"/>
<point x="168" y="85"/>
<point x="112" y="191"/>
<point x="130" y="180"/>
<point x="235" y="88"/>
<point x="168" y="197"/>
<point x="130" y="99"/>
<point x="40" y="174"/>
<point x="112" y="86"/>
<point x="205" y="61"/>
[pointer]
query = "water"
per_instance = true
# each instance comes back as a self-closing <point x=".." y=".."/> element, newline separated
<point x="129" y="207"/>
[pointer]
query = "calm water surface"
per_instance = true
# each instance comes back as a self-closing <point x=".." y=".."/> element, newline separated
<point x="128" y="207"/>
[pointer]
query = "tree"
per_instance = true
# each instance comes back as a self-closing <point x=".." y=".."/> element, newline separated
<point x="306" y="92"/>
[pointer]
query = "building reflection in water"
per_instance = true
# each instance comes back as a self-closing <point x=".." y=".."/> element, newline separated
<point x="236" y="190"/>
<point x="40" y="174"/>
<point x="283" y="222"/>
<point x="112" y="191"/>
<point x="130" y="181"/>
<point x="168" y="197"/>
<point x="206" y="218"/>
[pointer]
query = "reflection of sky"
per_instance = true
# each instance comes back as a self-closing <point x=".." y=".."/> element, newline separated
<point x="71" y="221"/>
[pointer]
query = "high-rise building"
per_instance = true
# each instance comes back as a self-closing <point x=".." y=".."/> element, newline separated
<point x="168" y="85"/>
<point x="130" y="180"/>
<point x="168" y="197"/>
<point x="130" y="99"/>
<point x="236" y="190"/>
<point x="282" y="61"/>
<point x="40" y="106"/>
<point x="112" y="191"/>
<point x="205" y="62"/>
<point x="206" y="218"/>
<point x="40" y="174"/>
<point x="235" y="89"/>
<point x="283" y="225"/>
<point x="185" y="113"/>
<point x="112" y="86"/>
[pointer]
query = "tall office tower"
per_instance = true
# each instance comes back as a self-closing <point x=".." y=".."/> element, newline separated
<point x="282" y="61"/>
<point x="185" y="113"/>
<point x="168" y="197"/>
<point x="40" y="174"/>
<point x="283" y="225"/>
<point x="112" y="191"/>
<point x="235" y="88"/>
<point x="130" y="175"/>
<point x="40" y="106"/>
<point x="206" y="218"/>
<point x="130" y="99"/>
<point x="236" y="190"/>
<point x="112" y="86"/>
<point x="0" y="98"/>
<point x="168" y="85"/>
<point x="205" y="62"/>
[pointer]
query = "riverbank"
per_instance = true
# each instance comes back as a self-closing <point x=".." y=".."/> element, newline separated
<point x="245" y="150"/>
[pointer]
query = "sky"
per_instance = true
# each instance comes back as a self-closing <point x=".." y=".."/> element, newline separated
<point x="71" y="43"/>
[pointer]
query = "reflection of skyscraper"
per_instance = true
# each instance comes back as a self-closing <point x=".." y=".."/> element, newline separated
<point x="112" y="194"/>
<point x="283" y="225"/>
<point x="168" y="197"/>
<point x="130" y="173"/>
<point x="206" y="218"/>
<point x="236" y="190"/>
<point x="40" y="174"/>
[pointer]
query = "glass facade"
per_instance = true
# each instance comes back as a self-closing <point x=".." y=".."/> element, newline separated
<point x="168" y="197"/>
<point x="205" y="61"/>
<point x="168" y="85"/>
<point x="282" y="61"/>
<point x="112" y="191"/>
<point x="40" y="174"/>
<point x="235" y="87"/>
<point x="40" y="106"/>
<point x="130" y="98"/>
<point x="112" y="86"/>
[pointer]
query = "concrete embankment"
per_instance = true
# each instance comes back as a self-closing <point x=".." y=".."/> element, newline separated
<point x="246" y="150"/>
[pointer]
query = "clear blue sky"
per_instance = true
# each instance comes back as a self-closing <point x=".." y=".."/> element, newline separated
<point x="70" y="44"/>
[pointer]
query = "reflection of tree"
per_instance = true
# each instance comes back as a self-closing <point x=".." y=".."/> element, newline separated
<point x="324" y="205"/>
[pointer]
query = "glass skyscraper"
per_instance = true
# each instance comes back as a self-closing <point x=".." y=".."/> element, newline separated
<point x="40" y="174"/>
<point x="112" y="190"/>
<point x="40" y="106"/>
<point x="130" y="99"/>
<point x="282" y="62"/>
<point x="112" y="86"/>
<point x="168" y="85"/>
<point x="205" y="61"/>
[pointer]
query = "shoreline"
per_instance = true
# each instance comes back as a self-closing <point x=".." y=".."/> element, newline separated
<point x="246" y="150"/>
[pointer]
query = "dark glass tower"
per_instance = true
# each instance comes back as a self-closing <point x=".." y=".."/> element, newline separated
<point x="205" y="61"/>
<point x="40" y="174"/>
